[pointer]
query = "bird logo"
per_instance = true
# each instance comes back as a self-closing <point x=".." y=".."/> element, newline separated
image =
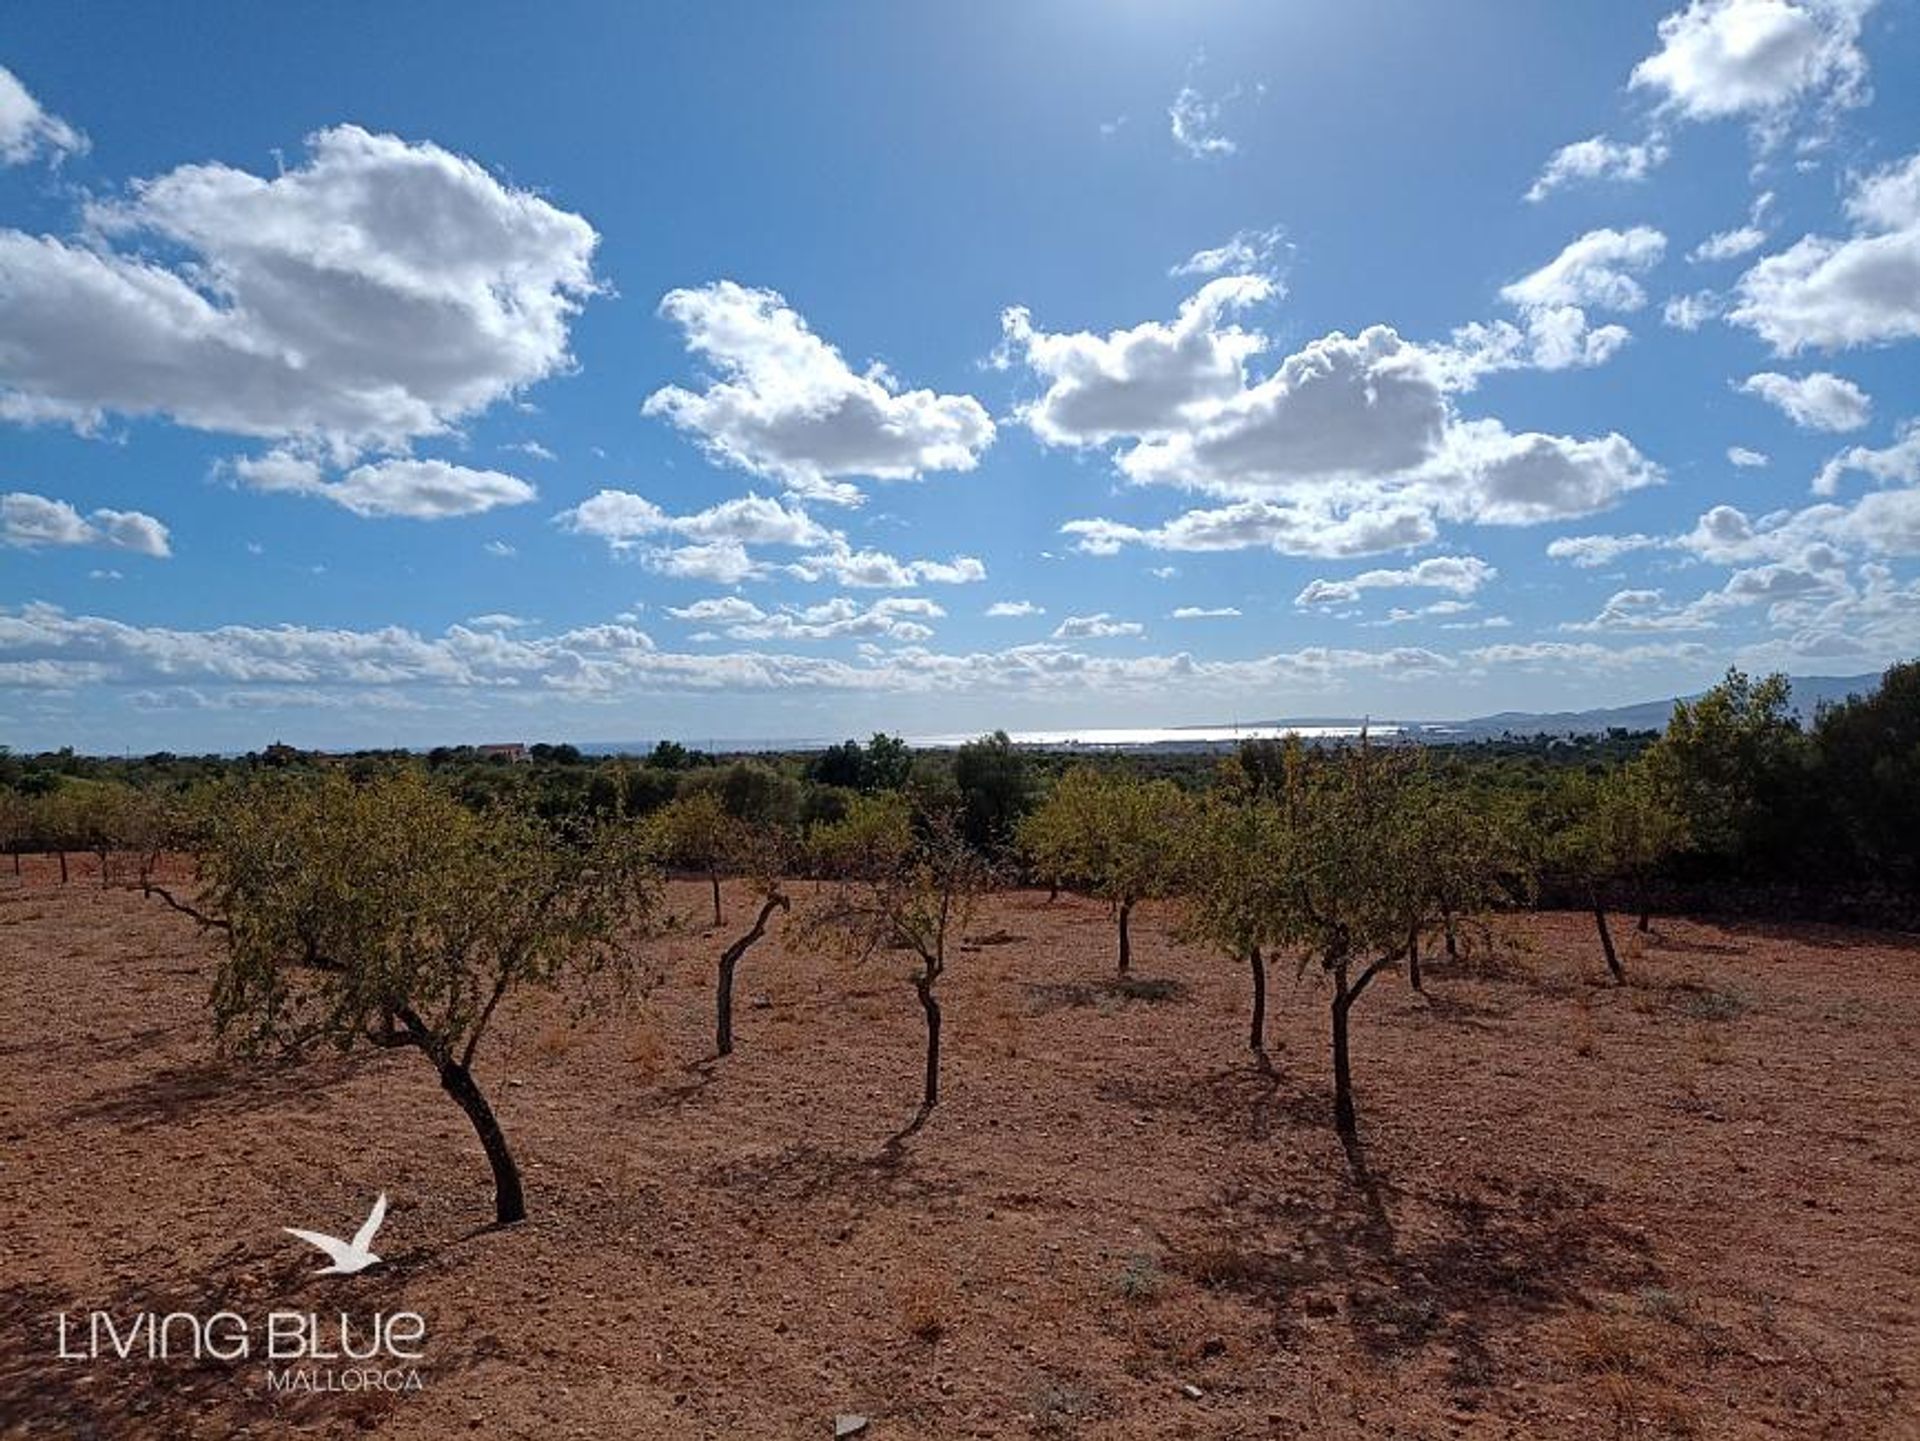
<point x="348" y="1257"/>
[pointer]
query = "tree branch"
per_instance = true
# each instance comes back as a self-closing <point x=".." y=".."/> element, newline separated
<point x="1366" y="976"/>
<point x="218" y="923"/>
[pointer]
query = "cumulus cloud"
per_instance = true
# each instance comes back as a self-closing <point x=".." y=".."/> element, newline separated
<point x="29" y="521"/>
<point x="1100" y="626"/>
<point x="1598" y="269"/>
<point x="1460" y="575"/>
<point x="1283" y="527"/>
<point x="1143" y="381"/>
<point x="1012" y="609"/>
<point x="412" y="489"/>
<point x="784" y="404"/>
<point x="1728" y="244"/>
<point x="1827" y="294"/>
<point x="27" y="130"/>
<point x="1896" y="464"/>
<point x="1818" y="401"/>
<point x="43" y="646"/>
<point x="1746" y="459"/>
<point x="895" y="618"/>
<point x="1246" y="252"/>
<point x="1204" y="612"/>
<point x="1690" y="312"/>
<point x="379" y="292"/>
<point x="1598" y="158"/>
<point x="1756" y="58"/>
<point x="1591" y="551"/>
<point x="719" y="536"/>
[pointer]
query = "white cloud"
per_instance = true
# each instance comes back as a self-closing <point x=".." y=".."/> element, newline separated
<point x="499" y="549"/>
<point x="1728" y="244"/>
<point x="1598" y="158"/>
<point x="30" y="521"/>
<point x="1459" y="575"/>
<point x="1246" y="252"/>
<point x="1194" y="121"/>
<point x="1888" y="199"/>
<point x="532" y="449"/>
<point x="1096" y="627"/>
<point x="785" y="405"/>
<point x="1818" y="401"/>
<point x="720" y="535"/>
<point x="719" y="609"/>
<point x="1690" y="312"/>
<point x="1204" y="612"/>
<point x="1756" y="58"/>
<point x="413" y="489"/>
<point x="379" y="292"/>
<point x="1013" y="609"/>
<point x="27" y="130"/>
<point x="1286" y="528"/>
<point x="1147" y="380"/>
<point x="895" y="618"/>
<point x="1896" y="464"/>
<point x="1597" y="269"/>
<point x="1588" y="552"/>
<point x="498" y="620"/>
<point x="1828" y="294"/>
<point x="1747" y="459"/>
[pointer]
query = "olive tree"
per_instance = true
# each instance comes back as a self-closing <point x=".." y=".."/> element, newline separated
<point x="385" y="913"/>
<point x="898" y="882"/>
<point x="1112" y="835"/>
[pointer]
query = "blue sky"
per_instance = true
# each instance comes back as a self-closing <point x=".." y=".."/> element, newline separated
<point x="472" y="372"/>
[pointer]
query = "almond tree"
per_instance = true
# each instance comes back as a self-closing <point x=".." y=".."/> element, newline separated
<point x="1467" y="858"/>
<point x="1233" y="862"/>
<point x="385" y="913"/>
<point x="1620" y="829"/>
<point x="1111" y="835"/>
<point x="1351" y="895"/>
<point x="761" y="853"/>
<point x="694" y="830"/>
<point x="898" y="881"/>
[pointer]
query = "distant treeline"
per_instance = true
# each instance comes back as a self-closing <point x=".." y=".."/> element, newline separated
<point x="1764" y="813"/>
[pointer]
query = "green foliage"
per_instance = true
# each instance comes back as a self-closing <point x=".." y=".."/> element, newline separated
<point x="995" y="788"/>
<point x="1868" y="756"/>
<point x="1108" y="834"/>
<point x="1619" y="826"/>
<point x="389" y="913"/>
<point x="1735" y="763"/>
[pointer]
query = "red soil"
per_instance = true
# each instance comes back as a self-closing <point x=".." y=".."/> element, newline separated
<point x="1686" y="1207"/>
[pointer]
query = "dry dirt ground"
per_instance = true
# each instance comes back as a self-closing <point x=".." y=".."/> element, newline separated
<point x="1687" y="1207"/>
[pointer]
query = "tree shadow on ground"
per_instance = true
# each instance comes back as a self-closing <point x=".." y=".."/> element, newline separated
<point x="1109" y="991"/>
<point x="1407" y="1270"/>
<point x="802" y="1172"/>
<point x="228" y="1088"/>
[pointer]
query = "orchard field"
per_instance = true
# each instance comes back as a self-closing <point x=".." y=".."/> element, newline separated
<point x="1683" y="1206"/>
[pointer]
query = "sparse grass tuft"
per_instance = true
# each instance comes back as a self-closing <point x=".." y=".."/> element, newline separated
<point x="1142" y="1281"/>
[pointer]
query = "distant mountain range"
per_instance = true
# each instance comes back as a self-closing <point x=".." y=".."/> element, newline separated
<point x="1809" y="693"/>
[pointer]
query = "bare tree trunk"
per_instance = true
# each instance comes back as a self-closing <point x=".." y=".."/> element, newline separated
<point x="1606" y="939"/>
<point x="1257" y="1040"/>
<point x="16" y="860"/>
<point x="714" y="876"/>
<point x="1453" y="946"/>
<point x="1126" y="940"/>
<point x="1053" y="891"/>
<point x="105" y="857"/>
<point x="509" y="1200"/>
<point x="1343" y="1115"/>
<point x="63" y="868"/>
<point x="923" y="986"/>
<point x="1646" y="907"/>
<point x="729" y="962"/>
<point x="1413" y="957"/>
